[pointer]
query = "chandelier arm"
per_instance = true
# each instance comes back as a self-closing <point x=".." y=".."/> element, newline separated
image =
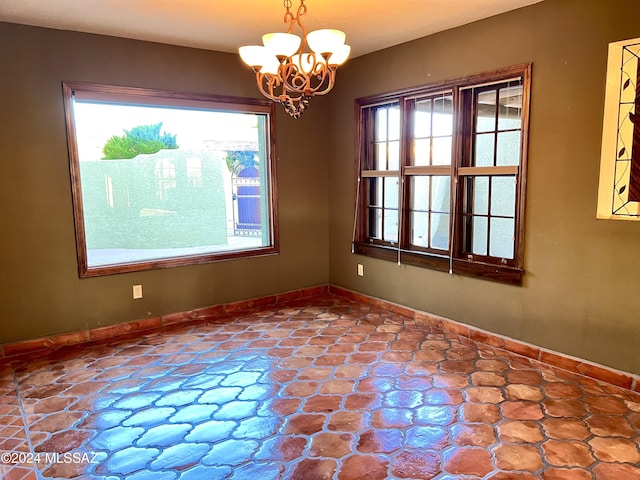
<point x="271" y="82"/>
<point x="329" y="87"/>
<point x="318" y="85"/>
<point x="325" y="80"/>
<point x="294" y="105"/>
<point x="293" y="80"/>
<point x="319" y="81"/>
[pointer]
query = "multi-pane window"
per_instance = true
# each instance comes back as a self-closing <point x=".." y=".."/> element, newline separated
<point x="428" y="172"/>
<point x="442" y="175"/>
<point x="162" y="179"/>
<point x="490" y="170"/>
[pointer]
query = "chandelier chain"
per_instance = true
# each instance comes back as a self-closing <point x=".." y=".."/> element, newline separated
<point x="292" y="19"/>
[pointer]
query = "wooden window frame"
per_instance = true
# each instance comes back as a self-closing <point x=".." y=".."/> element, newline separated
<point x="164" y="98"/>
<point x="456" y="260"/>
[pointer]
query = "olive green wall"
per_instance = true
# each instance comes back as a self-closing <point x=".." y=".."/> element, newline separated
<point x="40" y="292"/>
<point x="582" y="275"/>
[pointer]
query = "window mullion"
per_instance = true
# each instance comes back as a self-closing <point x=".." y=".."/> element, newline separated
<point x="444" y="170"/>
<point x="481" y="171"/>
<point x="379" y="173"/>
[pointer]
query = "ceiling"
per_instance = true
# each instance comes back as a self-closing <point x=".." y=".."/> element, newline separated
<point x="370" y="25"/>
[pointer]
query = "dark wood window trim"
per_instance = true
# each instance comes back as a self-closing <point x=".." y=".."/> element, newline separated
<point x="146" y="96"/>
<point x="457" y="260"/>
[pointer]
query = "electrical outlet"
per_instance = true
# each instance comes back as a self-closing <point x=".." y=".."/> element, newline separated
<point x="137" y="292"/>
<point x="360" y="270"/>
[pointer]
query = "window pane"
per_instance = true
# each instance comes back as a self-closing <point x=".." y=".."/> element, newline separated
<point x="160" y="182"/>
<point x="390" y="226"/>
<point x="375" y="223"/>
<point x="503" y="196"/>
<point x="509" y="148"/>
<point x="394" y="123"/>
<point x="394" y="155"/>
<point x="510" y="113"/>
<point x="381" y="125"/>
<point x="442" y="151"/>
<point x="479" y="238"/>
<point x="436" y="233"/>
<point x="380" y="162"/>
<point x="375" y="192"/>
<point x="419" y="229"/>
<point x="502" y="241"/>
<point x="443" y="116"/>
<point x="391" y="192"/>
<point x="484" y="151"/>
<point x="480" y="195"/>
<point x="421" y="151"/>
<point x="439" y="231"/>
<point x="422" y="119"/>
<point x="420" y="193"/>
<point x="441" y="194"/>
<point x="486" y="111"/>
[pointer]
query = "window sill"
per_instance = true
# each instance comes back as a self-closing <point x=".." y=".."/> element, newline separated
<point x="170" y="262"/>
<point x="496" y="273"/>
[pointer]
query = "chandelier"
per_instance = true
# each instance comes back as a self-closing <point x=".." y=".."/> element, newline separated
<point x="289" y="74"/>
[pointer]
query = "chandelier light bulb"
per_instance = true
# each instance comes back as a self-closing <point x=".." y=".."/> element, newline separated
<point x="270" y="66"/>
<point x="253" y="55"/>
<point x="339" y="56"/>
<point x="326" y="40"/>
<point x="285" y="44"/>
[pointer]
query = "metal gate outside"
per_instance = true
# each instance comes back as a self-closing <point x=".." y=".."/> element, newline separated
<point x="245" y="182"/>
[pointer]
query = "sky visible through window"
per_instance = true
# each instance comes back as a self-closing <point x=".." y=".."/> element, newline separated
<point x="97" y="122"/>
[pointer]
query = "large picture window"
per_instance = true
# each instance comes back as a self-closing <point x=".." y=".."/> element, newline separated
<point x="442" y="175"/>
<point x="162" y="179"/>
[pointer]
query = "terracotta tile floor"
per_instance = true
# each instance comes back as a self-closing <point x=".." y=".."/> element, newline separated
<point x="322" y="388"/>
